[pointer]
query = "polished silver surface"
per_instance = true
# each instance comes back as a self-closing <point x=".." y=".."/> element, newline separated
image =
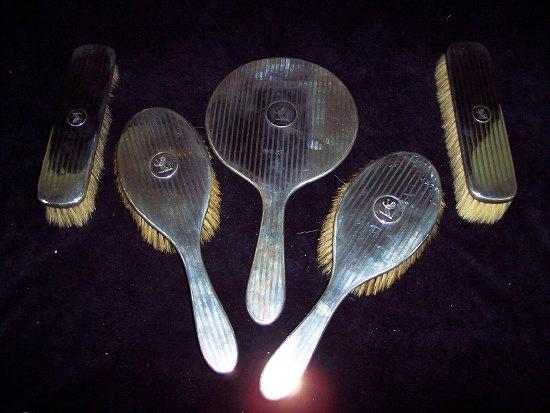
<point x="484" y="145"/>
<point x="164" y="169"/>
<point x="78" y="118"/>
<point x="370" y="239"/>
<point x="279" y="123"/>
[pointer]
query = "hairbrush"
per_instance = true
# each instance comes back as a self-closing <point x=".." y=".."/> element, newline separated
<point x="74" y="156"/>
<point x="166" y="181"/>
<point x="378" y="226"/>
<point x="476" y="137"/>
<point x="279" y="123"/>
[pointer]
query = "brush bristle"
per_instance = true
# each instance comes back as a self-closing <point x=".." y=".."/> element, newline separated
<point x="212" y="218"/>
<point x="80" y="214"/>
<point x="467" y="206"/>
<point x="158" y="241"/>
<point x="324" y="247"/>
<point x="147" y="231"/>
<point x="381" y="282"/>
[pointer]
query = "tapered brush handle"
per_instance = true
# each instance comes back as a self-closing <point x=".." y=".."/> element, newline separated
<point x="265" y="294"/>
<point x="216" y="337"/>
<point x="283" y="372"/>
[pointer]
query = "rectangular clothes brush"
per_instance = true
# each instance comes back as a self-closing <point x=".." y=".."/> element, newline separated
<point x="476" y="137"/>
<point x="74" y="156"/>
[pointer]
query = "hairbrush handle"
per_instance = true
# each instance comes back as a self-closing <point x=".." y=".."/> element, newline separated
<point x="216" y="337"/>
<point x="265" y="294"/>
<point x="282" y="373"/>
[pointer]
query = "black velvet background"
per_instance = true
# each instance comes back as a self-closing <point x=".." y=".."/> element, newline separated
<point x="93" y="319"/>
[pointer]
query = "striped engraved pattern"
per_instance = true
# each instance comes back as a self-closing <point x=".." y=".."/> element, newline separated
<point x="283" y="372"/>
<point x="275" y="158"/>
<point x="175" y="204"/>
<point x="485" y="149"/>
<point x="364" y="246"/>
<point x="279" y="123"/>
<point x="70" y="152"/>
<point x="266" y="284"/>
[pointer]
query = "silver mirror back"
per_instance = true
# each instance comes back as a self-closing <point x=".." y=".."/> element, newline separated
<point x="281" y="122"/>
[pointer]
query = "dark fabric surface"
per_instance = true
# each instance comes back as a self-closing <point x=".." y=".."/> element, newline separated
<point x="94" y="319"/>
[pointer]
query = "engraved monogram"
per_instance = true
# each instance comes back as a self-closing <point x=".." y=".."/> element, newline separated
<point x="281" y="113"/>
<point x="481" y="113"/>
<point x="77" y="117"/>
<point x="163" y="165"/>
<point x="387" y="209"/>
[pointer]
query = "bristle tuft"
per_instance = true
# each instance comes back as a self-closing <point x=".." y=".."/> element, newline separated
<point x="469" y="208"/>
<point x="212" y="218"/>
<point x="115" y="79"/>
<point x="324" y="247"/>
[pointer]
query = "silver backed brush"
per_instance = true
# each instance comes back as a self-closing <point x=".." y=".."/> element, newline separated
<point x="476" y="136"/>
<point x="74" y="155"/>
<point x="382" y="220"/>
<point x="279" y="123"/>
<point x="165" y="175"/>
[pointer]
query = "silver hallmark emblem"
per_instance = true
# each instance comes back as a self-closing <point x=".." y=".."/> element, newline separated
<point x="77" y="117"/>
<point x="281" y="114"/>
<point x="163" y="165"/>
<point x="387" y="209"/>
<point x="481" y="113"/>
